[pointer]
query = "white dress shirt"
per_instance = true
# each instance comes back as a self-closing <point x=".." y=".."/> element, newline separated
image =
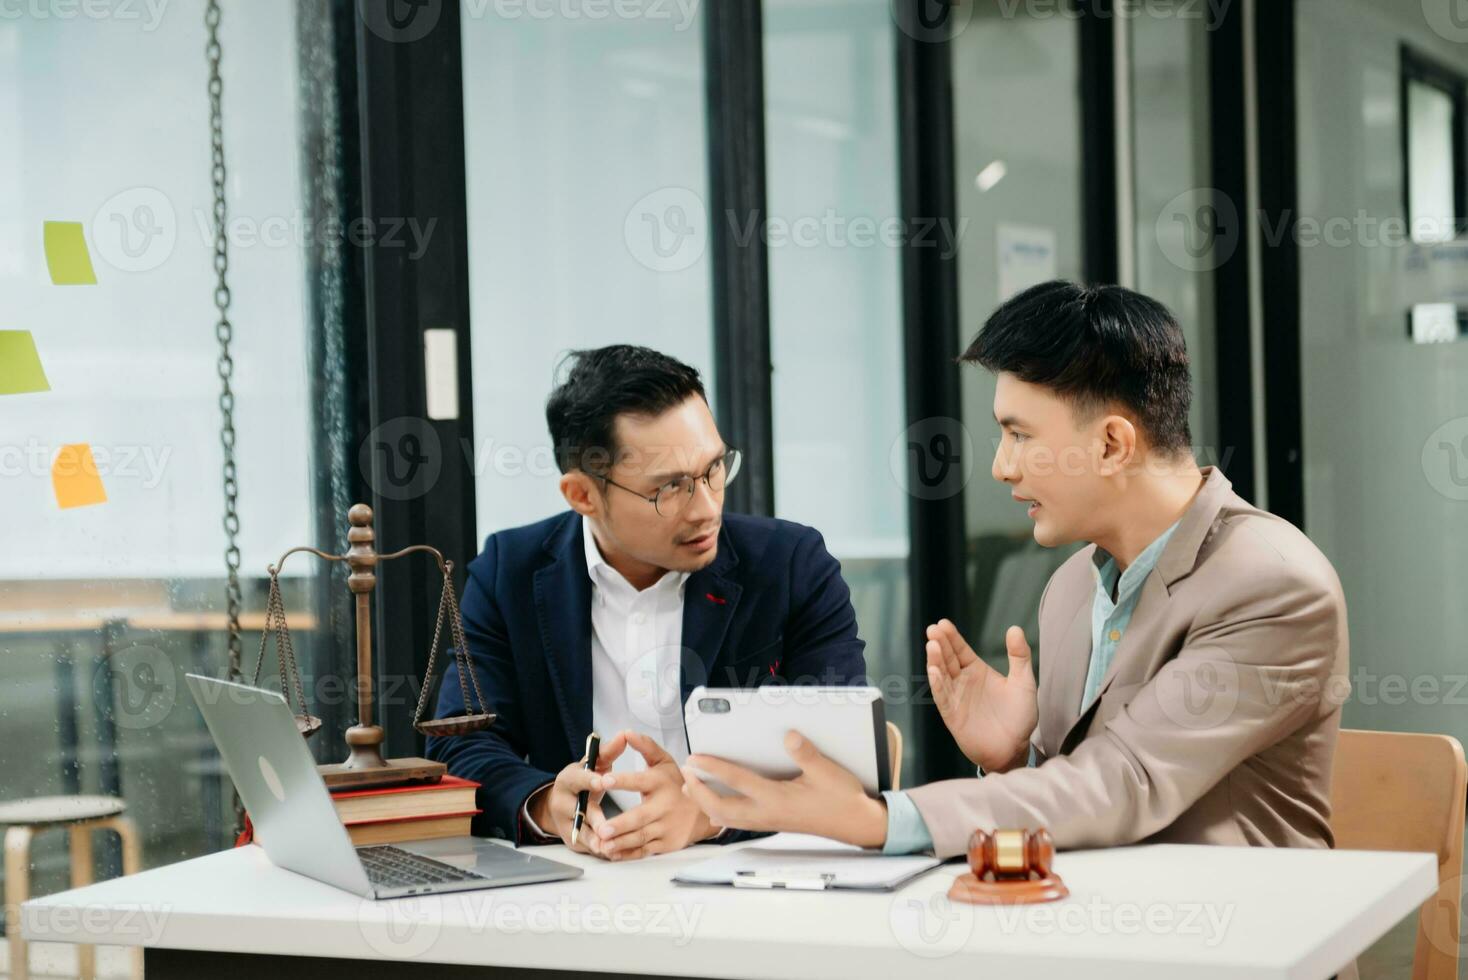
<point x="636" y="663"/>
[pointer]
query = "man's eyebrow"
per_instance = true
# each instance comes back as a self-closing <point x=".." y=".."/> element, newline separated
<point x="661" y="478"/>
<point x="1010" y="420"/>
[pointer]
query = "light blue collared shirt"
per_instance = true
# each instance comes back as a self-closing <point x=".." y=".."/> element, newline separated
<point x="1109" y="619"/>
<point x="907" y="832"/>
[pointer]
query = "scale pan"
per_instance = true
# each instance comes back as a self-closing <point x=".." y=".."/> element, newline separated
<point x="307" y="725"/>
<point x="455" y="725"/>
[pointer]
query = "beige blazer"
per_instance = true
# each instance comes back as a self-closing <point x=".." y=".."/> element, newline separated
<point x="1217" y="719"/>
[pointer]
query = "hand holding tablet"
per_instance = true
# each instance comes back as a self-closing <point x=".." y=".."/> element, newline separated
<point x="748" y="727"/>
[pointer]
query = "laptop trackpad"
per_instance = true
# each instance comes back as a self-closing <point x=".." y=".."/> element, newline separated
<point x="489" y="857"/>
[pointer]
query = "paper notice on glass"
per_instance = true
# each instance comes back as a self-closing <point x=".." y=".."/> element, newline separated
<point x="1026" y="257"/>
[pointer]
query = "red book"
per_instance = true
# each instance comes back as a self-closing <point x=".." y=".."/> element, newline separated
<point x="399" y="829"/>
<point x="442" y="809"/>
<point x="451" y="795"/>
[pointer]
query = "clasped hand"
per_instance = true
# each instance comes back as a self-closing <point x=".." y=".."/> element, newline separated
<point x="664" y="820"/>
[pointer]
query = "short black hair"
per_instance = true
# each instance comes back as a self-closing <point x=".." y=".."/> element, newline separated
<point x="1095" y="345"/>
<point x="600" y="385"/>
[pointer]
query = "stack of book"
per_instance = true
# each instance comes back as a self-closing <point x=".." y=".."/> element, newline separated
<point x="421" y="811"/>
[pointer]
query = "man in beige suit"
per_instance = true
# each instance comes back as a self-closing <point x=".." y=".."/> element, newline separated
<point x="1193" y="657"/>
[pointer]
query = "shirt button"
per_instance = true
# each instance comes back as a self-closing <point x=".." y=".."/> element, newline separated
<point x="1115" y="635"/>
<point x="639" y="618"/>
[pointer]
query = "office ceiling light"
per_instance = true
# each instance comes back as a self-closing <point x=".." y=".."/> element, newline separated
<point x="985" y="179"/>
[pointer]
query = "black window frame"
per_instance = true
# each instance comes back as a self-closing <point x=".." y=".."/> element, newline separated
<point x="408" y="161"/>
<point x="1418" y="68"/>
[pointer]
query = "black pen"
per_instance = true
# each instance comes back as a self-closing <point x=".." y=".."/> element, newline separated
<point x="593" y="745"/>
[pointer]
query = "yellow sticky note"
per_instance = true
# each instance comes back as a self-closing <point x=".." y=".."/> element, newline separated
<point x="75" y="477"/>
<point x="67" y="256"/>
<point x="20" y="365"/>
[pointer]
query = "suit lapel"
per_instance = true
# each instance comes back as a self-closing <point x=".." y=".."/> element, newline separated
<point x="709" y="599"/>
<point x="1178" y="559"/>
<point x="1180" y="556"/>
<point x="563" y="607"/>
<point x="1066" y="670"/>
<point x="1148" y="610"/>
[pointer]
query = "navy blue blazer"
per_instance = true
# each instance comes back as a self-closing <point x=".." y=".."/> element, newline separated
<point x="771" y="608"/>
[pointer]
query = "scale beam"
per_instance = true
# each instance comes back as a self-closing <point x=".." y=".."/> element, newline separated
<point x="365" y="766"/>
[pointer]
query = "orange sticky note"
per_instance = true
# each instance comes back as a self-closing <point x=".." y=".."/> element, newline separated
<point x="76" y="480"/>
<point x="66" y="254"/>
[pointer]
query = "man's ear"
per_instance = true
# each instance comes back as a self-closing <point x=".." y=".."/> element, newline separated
<point x="1118" y="445"/>
<point x="581" y="493"/>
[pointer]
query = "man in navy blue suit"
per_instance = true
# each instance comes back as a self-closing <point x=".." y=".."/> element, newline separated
<point x="605" y="618"/>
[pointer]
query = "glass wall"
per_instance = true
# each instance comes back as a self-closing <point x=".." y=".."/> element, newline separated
<point x="834" y="234"/>
<point x="1384" y="414"/>
<point x="112" y="567"/>
<point x="1017" y="122"/>
<point x="1385" y="419"/>
<point x="1182" y="226"/>
<point x="587" y="191"/>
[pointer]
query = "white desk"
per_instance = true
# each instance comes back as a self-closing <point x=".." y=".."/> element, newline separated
<point x="1146" y="912"/>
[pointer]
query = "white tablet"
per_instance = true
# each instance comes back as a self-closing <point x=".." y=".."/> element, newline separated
<point x="747" y="726"/>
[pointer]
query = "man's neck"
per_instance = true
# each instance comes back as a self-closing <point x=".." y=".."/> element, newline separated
<point x="639" y="574"/>
<point x="1152" y="502"/>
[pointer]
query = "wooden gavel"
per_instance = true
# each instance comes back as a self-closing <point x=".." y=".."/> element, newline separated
<point x="1008" y="854"/>
<point x="1009" y="867"/>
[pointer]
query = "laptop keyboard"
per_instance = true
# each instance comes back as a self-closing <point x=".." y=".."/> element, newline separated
<point x="393" y="867"/>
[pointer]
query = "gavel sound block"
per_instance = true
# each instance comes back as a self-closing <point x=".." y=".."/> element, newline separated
<point x="1009" y="867"/>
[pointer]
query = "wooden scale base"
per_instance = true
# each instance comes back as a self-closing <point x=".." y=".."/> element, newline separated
<point x="341" y="776"/>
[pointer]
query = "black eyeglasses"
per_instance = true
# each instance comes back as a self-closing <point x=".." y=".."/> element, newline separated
<point x="670" y="498"/>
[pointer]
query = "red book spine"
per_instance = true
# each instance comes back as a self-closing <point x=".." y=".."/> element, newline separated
<point x="430" y="816"/>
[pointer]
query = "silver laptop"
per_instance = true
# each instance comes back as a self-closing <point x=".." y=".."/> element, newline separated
<point x="297" y="824"/>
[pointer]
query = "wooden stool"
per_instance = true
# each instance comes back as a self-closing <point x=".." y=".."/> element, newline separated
<point x="79" y="815"/>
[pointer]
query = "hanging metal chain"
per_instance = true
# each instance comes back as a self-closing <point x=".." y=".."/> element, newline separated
<point x="224" y="331"/>
<point x="285" y="654"/>
<point x="285" y="649"/>
<point x="448" y="611"/>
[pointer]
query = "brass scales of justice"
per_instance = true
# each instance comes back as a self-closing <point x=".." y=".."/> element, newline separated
<point x="365" y="766"/>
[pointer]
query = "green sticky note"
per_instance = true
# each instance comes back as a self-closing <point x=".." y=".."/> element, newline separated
<point x="67" y="256"/>
<point x="20" y="365"/>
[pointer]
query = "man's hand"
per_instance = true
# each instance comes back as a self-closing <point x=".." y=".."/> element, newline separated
<point x="666" y="819"/>
<point x="990" y="716"/>
<point x="824" y="799"/>
<point x="553" y="807"/>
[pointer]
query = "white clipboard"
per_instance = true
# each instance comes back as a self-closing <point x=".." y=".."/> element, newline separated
<point x="799" y="862"/>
